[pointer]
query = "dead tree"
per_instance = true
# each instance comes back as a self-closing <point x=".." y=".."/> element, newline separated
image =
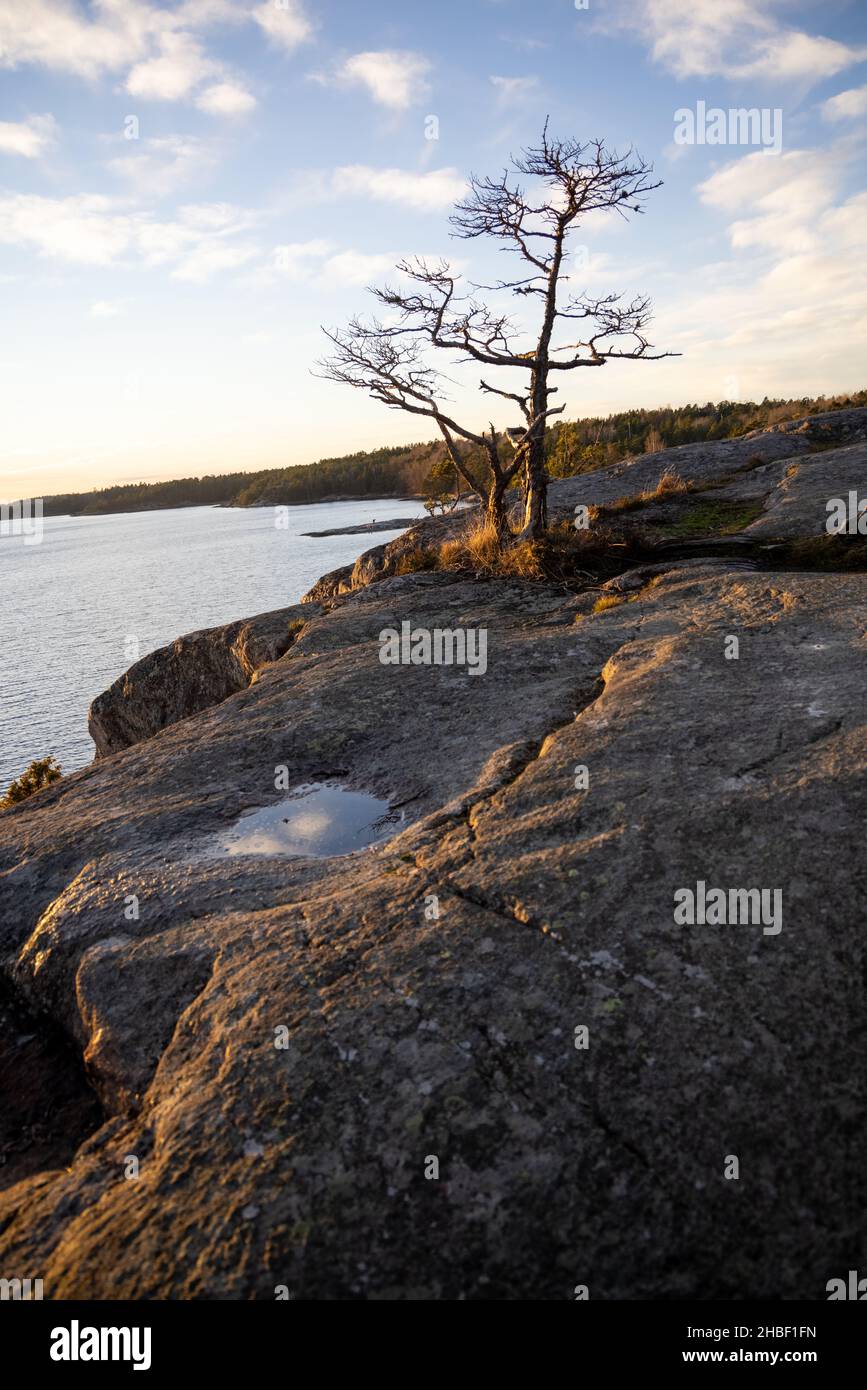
<point x="391" y="359"/>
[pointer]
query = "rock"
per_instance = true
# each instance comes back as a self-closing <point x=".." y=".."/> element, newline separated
<point x="753" y="465"/>
<point x="369" y="566"/>
<point x="382" y="561"/>
<point x="394" y="523"/>
<point x="314" y="1010"/>
<point x="195" y="672"/>
<point x="798" y="504"/>
<point x="330" y="585"/>
<point x="46" y="1107"/>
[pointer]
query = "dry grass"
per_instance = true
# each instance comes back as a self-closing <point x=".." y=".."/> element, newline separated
<point x="419" y="558"/>
<point x="670" y="485"/>
<point x="608" y="601"/>
<point x="476" y="547"/>
<point x="562" y="555"/>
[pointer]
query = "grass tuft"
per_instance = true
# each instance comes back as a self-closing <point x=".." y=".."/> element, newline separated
<point x="562" y="555"/>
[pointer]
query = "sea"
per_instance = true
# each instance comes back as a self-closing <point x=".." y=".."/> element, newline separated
<point x="99" y="592"/>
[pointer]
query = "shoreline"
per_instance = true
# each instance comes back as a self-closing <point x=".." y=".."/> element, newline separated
<point x="367" y="528"/>
<point x="233" y="506"/>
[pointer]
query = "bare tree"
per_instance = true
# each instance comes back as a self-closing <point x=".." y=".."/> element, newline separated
<point x="390" y="359"/>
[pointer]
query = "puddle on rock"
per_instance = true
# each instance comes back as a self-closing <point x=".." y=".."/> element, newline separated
<point x="316" y="820"/>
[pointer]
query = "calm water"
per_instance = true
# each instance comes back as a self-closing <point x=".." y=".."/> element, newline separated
<point x="317" y="819"/>
<point x="75" y="606"/>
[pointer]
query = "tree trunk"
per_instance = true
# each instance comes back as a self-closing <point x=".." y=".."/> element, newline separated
<point x="535" y="475"/>
<point x="495" y="514"/>
<point x="535" y="491"/>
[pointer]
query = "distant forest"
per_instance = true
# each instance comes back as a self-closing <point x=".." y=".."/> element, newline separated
<point x="581" y="445"/>
<point x="422" y="470"/>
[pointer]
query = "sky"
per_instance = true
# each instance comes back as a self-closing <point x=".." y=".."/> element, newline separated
<point x="189" y="191"/>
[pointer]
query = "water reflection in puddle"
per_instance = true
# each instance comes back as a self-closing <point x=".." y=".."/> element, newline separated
<point x="316" y="819"/>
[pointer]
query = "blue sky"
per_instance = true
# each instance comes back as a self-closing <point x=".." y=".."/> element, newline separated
<point x="163" y="294"/>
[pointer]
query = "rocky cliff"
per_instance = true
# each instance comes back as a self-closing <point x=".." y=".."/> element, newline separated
<point x="192" y="674"/>
<point x="368" y="1076"/>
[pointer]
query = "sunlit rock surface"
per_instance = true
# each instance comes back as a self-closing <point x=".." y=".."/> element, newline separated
<point x="286" y="1043"/>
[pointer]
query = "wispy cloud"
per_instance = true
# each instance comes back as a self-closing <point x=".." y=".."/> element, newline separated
<point x="156" y="167"/>
<point x="392" y="78"/>
<point x="792" y="289"/>
<point x="356" y="267"/>
<point x="30" y="138"/>
<point x="59" y="36"/>
<point x="438" y="188"/>
<point x="846" y="106"/>
<point x="179" y="67"/>
<point x="322" y="264"/>
<point x="733" y="38"/>
<point x="206" y="259"/>
<point x="226" y="99"/>
<point x="90" y="229"/>
<point x="286" y="24"/>
<point x="514" y="89"/>
<point x="294" y="260"/>
<point x="780" y="201"/>
<point x="160" y="51"/>
<point x="105" y="309"/>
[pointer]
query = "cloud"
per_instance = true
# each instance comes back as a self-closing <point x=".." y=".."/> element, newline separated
<point x="392" y="78"/>
<point x="83" y="228"/>
<point x="846" y="106"/>
<point x="783" y="197"/>
<point x="181" y="65"/>
<point x="226" y="99"/>
<point x="321" y="264"/>
<point x="155" y="167"/>
<point x="55" y="34"/>
<point x="796" y="56"/>
<point x="105" y="309"/>
<point x="784" y="312"/>
<point x="423" y="192"/>
<point x="734" y="38"/>
<point x="205" y="260"/>
<point x="790" y="320"/>
<point x="294" y="260"/>
<point x="195" y="14"/>
<point x="286" y="25"/>
<point x="355" y="267"/>
<point x="30" y="138"/>
<point x="514" y="89"/>
<point x="90" y="229"/>
<point x="217" y="217"/>
<point x="159" y="49"/>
